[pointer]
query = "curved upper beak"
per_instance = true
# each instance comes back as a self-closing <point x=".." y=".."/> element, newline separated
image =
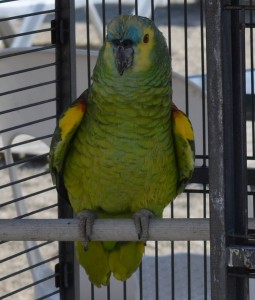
<point x="123" y="57"/>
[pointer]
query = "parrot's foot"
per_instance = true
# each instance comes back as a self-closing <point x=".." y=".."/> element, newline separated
<point x="141" y="219"/>
<point x="86" y="221"/>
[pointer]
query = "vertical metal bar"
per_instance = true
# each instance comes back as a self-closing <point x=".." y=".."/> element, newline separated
<point x="120" y="7"/>
<point x="141" y="281"/>
<point x="156" y="272"/>
<point x="205" y="245"/>
<point x="124" y="290"/>
<point x="252" y="99"/>
<point x="65" y="93"/>
<point x="169" y="26"/>
<point x="136" y="7"/>
<point x="109" y="292"/>
<point x="186" y="57"/>
<point x="203" y="80"/>
<point x="92" y="291"/>
<point x="88" y="42"/>
<point x="152" y="10"/>
<point x="188" y="251"/>
<point x="172" y="259"/>
<point x="104" y="19"/>
<point x="239" y="112"/>
<point x="171" y="205"/>
<point x="239" y="134"/>
<point x="252" y="83"/>
<point x="216" y="33"/>
<point x="222" y="107"/>
<point x="204" y="135"/>
<point x="253" y="201"/>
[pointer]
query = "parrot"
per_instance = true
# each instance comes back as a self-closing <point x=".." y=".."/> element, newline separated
<point x="122" y="150"/>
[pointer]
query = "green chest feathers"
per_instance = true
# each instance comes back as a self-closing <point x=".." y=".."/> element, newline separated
<point x="120" y="163"/>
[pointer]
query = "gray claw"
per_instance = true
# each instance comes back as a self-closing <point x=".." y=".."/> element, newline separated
<point x="86" y="221"/>
<point x="141" y="219"/>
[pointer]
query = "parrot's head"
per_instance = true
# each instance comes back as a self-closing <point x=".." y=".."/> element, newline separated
<point x="134" y="45"/>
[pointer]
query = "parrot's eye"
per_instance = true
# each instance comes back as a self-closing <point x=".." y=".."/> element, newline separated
<point x="146" y="38"/>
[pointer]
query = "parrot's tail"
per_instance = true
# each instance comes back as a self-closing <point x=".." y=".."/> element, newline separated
<point x="124" y="260"/>
<point x="95" y="261"/>
<point x="99" y="262"/>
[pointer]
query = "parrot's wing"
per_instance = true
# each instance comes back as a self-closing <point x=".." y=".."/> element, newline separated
<point x="183" y="136"/>
<point x="62" y="138"/>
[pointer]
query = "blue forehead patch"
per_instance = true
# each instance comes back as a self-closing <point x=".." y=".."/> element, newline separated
<point x="133" y="33"/>
<point x="120" y="30"/>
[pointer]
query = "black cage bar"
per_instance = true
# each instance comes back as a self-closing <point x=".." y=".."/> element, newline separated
<point x="64" y="38"/>
<point x="229" y="175"/>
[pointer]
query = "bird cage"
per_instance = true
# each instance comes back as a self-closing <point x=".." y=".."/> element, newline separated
<point x="48" y="52"/>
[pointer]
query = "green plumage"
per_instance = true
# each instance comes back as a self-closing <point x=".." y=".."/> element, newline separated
<point x="122" y="157"/>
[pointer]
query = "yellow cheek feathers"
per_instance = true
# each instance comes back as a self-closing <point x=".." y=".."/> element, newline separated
<point x="142" y="55"/>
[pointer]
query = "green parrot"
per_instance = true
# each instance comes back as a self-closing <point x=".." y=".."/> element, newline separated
<point x="123" y="149"/>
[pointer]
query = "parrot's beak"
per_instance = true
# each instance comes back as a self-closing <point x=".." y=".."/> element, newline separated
<point x="123" y="57"/>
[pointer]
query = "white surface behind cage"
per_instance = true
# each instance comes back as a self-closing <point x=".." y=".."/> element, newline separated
<point x="181" y="283"/>
<point x="22" y="116"/>
<point x="37" y="130"/>
<point x="34" y="22"/>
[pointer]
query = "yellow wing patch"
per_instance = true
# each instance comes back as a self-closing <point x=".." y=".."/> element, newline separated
<point x="68" y="124"/>
<point x="184" y="146"/>
<point x="182" y="124"/>
<point x="71" y="118"/>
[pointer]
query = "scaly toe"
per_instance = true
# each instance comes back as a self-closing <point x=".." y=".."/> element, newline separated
<point x="86" y="221"/>
<point x="141" y="219"/>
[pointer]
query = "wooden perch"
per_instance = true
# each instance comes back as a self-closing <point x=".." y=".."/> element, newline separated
<point x="111" y="229"/>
